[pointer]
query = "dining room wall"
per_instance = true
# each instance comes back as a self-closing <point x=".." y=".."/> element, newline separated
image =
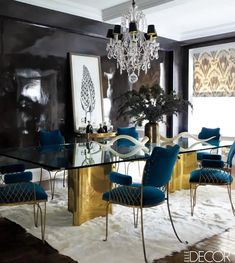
<point x="34" y="64"/>
<point x="35" y="89"/>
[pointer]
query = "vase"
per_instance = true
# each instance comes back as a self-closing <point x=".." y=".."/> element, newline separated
<point x="151" y="130"/>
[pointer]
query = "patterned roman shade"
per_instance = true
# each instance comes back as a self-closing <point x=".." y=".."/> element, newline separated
<point x="214" y="73"/>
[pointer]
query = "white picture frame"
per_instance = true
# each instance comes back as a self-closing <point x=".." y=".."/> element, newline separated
<point x="87" y="96"/>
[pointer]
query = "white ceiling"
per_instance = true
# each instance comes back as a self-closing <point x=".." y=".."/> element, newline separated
<point x="175" y="19"/>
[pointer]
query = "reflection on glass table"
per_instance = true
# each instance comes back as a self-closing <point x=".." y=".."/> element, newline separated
<point x="89" y="163"/>
<point x="75" y="153"/>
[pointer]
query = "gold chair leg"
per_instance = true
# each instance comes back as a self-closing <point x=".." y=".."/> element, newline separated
<point x="193" y="198"/>
<point x="36" y="210"/>
<point x="139" y="167"/>
<point x="230" y="197"/>
<point x="43" y="223"/>
<point x="142" y="233"/>
<point x="40" y="179"/>
<point x="127" y="167"/>
<point x="106" y="224"/>
<point x="117" y="166"/>
<point x="135" y="216"/>
<point x="64" y="179"/>
<point x="53" y="184"/>
<point x="42" y="220"/>
<point x="172" y="223"/>
<point x="35" y="215"/>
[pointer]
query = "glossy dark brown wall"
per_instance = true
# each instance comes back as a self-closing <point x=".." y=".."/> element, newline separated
<point x="28" y="47"/>
<point x="34" y="46"/>
<point x="38" y="44"/>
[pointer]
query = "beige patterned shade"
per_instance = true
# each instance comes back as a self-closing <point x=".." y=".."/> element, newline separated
<point x="214" y="73"/>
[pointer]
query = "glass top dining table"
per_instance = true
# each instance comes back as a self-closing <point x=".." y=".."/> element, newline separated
<point x="90" y="153"/>
<point x="89" y="163"/>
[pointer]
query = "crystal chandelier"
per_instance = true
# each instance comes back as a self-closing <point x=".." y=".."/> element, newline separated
<point x="131" y="46"/>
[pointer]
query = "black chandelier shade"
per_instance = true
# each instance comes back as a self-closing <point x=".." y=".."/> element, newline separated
<point x="151" y="32"/>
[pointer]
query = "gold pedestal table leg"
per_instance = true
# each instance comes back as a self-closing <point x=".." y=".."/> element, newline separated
<point x="85" y="188"/>
<point x="183" y="167"/>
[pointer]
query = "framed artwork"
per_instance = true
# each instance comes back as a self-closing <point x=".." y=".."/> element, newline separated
<point x="86" y="90"/>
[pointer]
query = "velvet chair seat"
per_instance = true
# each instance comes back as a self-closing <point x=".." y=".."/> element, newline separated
<point x="21" y="192"/>
<point x="210" y="176"/>
<point x="131" y="196"/>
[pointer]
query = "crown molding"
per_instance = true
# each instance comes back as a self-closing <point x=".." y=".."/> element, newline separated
<point x="69" y="7"/>
<point x="208" y="31"/>
<point x="118" y="10"/>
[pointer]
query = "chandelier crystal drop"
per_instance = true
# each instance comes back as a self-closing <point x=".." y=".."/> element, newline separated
<point x="131" y="46"/>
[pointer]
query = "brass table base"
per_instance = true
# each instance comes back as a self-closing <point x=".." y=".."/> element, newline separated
<point x="85" y="189"/>
<point x="183" y="167"/>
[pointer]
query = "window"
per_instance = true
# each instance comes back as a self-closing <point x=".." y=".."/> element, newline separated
<point x="212" y="88"/>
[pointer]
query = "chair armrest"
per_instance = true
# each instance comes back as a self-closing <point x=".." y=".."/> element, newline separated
<point x="12" y="168"/>
<point x="119" y="178"/>
<point x="212" y="163"/>
<point x="212" y="156"/>
<point x="11" y="178"/>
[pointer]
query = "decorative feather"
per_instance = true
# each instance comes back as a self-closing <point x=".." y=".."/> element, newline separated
<point x="87" y="92"/>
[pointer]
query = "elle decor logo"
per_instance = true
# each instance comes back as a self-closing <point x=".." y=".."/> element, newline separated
<point x="206" y="257"/>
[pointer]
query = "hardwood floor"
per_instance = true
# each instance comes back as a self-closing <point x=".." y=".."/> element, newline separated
<point x="219" y="248"/>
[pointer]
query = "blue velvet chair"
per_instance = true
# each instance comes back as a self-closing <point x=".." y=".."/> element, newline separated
<point x="153" y="190"/>
<point x="213" y="171"/>
<point x="16" y="188"/>
<point x="50" y="137"/>
<point x="207" y="133"/>
<point x="131" y="131"/>
<point x="50" y="141"/>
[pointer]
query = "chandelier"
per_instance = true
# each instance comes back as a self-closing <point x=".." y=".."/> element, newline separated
<point x="131" y="46"/>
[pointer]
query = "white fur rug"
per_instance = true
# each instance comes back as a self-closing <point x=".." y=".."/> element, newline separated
<point x="84" y="243"/>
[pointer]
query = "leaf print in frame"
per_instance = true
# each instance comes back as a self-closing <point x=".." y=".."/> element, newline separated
<point x="87" y="93"/>
<point x="86" y="90"/>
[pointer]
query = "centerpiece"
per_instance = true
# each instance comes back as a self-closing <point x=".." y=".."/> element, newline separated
<point x="151" y="104"/>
